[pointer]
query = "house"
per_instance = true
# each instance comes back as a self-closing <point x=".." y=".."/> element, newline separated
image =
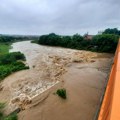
<point x="88" y="37"/>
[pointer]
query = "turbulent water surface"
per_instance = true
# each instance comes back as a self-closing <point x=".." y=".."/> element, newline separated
<point x="82" y="73"/>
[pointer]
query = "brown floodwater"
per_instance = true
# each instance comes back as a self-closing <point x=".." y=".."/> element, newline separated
<point x="82" y="73"/>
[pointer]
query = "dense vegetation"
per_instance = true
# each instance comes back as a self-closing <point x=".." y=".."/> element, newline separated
<point x="11" y="62"/>
<point x="99" y="43"/>
<point x="11" y="58"/>
<point x="9" y="117"/>
<point x="112" y="31"/>
<point x="105" y="43"/>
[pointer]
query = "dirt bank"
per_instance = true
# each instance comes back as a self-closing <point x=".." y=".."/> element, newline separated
<point x="82" y="73"/>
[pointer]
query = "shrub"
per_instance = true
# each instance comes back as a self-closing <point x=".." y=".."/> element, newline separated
<point x="11" y="57"/>
<point x="105" y="42"/>
<point x="61" y="93"/>
<point x="9" y="64"/>
<point x="6" y="70"/>
<point x="18" y="55"/>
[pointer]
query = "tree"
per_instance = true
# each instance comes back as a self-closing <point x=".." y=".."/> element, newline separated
<point x="105" y="42"/>
<point x="112" y="31"/>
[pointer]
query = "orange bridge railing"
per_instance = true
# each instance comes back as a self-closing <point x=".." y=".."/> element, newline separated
<point x="110" y="109"/>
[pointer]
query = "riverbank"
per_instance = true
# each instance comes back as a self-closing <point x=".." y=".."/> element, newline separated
<point x="83" y="74"/>
<point x="4" y="48"/>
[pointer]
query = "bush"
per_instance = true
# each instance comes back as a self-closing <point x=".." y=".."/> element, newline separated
<point x="18" y="55"/>
<point x="61" y="93"/>
<point x="9" y="64"/>
<point x="6" y="70"/>
<point x="105" y="42"/>
<point x="11" y="58"/>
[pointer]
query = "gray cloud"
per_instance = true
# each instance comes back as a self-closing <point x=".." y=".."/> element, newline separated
<point x="59" y="16"/>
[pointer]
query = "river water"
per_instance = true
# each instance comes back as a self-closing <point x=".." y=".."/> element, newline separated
<point x="82" y="73"/>
<point x="32" y="51"/>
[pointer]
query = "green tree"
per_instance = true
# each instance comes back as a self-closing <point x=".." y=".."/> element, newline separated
<point x="105" y="42"/>
<point x="112" y="31"/>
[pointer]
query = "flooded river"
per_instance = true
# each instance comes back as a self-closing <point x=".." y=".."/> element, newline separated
<point x="32" y="51"/>
<point x="82" y="73"/>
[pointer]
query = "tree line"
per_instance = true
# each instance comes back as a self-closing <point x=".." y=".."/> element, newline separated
<point x="105" y="42"/>
<point x="14" y="38"/>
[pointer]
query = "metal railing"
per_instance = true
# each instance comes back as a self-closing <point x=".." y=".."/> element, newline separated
<point x="110" y="109"/>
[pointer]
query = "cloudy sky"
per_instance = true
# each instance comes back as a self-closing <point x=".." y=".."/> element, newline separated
<point x="59" y="16"/>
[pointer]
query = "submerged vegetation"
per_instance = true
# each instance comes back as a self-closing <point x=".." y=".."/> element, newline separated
<point x="61" y="93"/>
<point x="105" y="42"/>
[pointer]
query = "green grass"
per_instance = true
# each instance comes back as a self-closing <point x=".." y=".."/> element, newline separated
<point x="4" y="48"/>
<point x="61" y="93"/>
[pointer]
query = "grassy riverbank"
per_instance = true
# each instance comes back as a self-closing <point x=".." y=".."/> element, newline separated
<point x="4" y="48"/>
<point x="9" y="63"/>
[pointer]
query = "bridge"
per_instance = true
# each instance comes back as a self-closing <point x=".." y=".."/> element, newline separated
<point x="110" y="108"/>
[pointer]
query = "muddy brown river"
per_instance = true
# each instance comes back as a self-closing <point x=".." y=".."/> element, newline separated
<point x="82" y="73"/>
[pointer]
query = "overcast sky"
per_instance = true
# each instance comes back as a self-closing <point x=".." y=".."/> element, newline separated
<point x="58" y="16"/>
